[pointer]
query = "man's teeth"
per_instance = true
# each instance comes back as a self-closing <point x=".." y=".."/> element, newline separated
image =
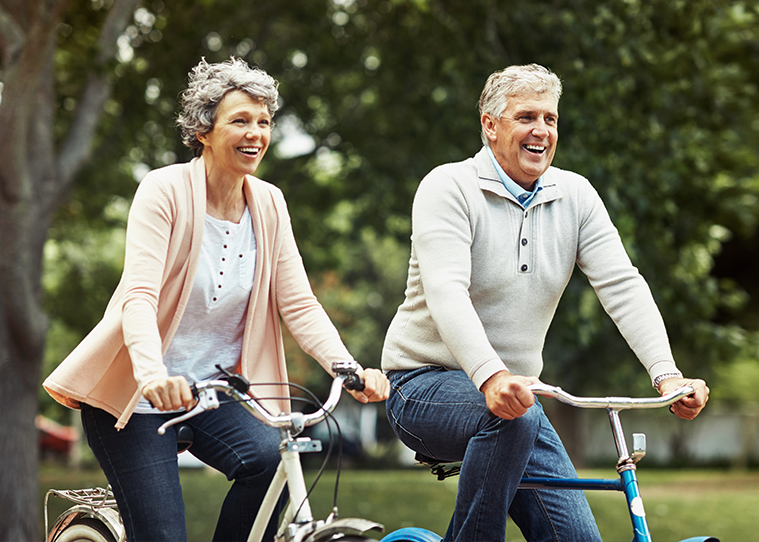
<point x="534" y="148"/>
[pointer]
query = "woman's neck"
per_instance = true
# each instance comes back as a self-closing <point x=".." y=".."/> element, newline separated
<point x="225" y="199"/>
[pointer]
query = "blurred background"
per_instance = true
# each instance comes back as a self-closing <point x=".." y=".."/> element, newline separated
<point x="659" y="112"/>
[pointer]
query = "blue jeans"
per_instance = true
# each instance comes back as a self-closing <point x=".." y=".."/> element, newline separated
<point x="142" y="468"/>
<point x="441" y="414"/>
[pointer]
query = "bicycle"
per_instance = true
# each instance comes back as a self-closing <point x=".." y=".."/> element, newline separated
<point x="626" y="464"/>
<point x="95" y="518"/>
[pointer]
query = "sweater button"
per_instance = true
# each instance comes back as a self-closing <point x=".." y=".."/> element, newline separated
<point x="524" y="267"/>
<point x="524" y="242"/>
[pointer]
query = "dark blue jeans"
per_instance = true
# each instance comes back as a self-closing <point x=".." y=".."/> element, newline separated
<point x="441" y="414"/>
<point x="141" y="467"/>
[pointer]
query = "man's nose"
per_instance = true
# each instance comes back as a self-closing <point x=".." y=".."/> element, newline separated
<point x="540" y="129"/>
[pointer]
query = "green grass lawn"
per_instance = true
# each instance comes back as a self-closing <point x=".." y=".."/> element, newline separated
<point x="679" y="504"/>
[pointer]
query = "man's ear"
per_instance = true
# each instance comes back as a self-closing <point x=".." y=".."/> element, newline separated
<point x="488" y="126"/>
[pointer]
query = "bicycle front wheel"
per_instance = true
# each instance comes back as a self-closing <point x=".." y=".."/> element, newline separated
<point x="415" y="534"/>
<point x="85" y="530"/>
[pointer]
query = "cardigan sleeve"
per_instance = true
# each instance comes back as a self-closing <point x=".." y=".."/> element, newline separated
<point x="149" y="228"/>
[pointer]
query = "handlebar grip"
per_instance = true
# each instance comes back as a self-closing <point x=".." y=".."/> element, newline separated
<point x="354" y="382"/>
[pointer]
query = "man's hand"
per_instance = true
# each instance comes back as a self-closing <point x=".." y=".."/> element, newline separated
<point x="688" y="407"/>
<point x="507" y="395"/>
<point x="169" y="393"/>
<point x="376" y="387"/>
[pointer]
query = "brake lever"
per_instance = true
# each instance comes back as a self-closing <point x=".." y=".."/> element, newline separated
<point x="347" y="369"/>
<point x="207" y="400"/>
<point x="237" y="381"/>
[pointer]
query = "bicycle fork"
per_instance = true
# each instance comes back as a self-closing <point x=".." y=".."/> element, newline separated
<point x="288" y="472"/>
<point x="626" y="467"/>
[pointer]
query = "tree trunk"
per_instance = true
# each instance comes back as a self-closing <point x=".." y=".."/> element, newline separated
<point x="19" y="378"/>
<point x="33" y="180"/>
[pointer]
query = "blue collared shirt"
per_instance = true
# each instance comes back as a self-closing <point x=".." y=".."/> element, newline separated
<point x="523" y="196"/>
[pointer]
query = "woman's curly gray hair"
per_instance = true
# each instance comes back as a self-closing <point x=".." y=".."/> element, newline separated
<point x="208" y="84"/>
<point x="513" y="81"/>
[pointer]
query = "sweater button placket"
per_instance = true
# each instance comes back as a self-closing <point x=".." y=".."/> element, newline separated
<point x="524" y="246"/>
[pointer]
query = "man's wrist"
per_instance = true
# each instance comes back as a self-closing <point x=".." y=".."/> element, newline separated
<point x="666" y="376"/>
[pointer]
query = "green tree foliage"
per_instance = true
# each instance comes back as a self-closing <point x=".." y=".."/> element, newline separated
<point x="658" y="112"/>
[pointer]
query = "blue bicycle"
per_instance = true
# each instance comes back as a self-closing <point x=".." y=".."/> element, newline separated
<point x="627" y="482"/>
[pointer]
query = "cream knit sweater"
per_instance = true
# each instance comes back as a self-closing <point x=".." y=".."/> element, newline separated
<point x="485" y="275"/>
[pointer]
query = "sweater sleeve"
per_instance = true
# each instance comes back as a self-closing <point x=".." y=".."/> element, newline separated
<point x="622" y="290"/>
<point x="147" y="239"/>
<point x="443" y="233"/>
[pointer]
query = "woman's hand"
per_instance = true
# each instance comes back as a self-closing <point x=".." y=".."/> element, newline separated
<point x="688" y="407"/>
<point x="376" y="387"/>
<point x="170" y="393"/>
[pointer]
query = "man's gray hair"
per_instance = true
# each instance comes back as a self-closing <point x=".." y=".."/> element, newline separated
<point x="208" y="84"/>
<point x="515" y="81"/>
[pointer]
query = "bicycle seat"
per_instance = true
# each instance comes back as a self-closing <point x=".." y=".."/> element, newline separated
<point x="185" y="437"/>
<point x="427" y="460"/>
<point x="440" y="468"/>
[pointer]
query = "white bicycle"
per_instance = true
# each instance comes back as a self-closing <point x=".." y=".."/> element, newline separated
<point x="94" y="516"/>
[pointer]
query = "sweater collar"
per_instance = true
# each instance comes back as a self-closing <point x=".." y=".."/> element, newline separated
<point x="491" y="182"/>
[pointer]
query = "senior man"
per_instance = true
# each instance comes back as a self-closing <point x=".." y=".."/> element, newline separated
<point x="495" y="239"/>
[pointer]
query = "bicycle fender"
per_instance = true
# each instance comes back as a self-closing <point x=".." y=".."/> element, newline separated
<point x="415" y="534"/>
<point x="344" y="526"/>
<point x="701" y="539"/>
<point x="107" y="516"/>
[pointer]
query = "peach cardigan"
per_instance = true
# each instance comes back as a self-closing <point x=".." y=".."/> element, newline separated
<point x="164" y="232"/>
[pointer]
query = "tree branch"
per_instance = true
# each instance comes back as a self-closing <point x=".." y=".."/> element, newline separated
<point x="12" y="37"/>
<point x="77" y="147"/>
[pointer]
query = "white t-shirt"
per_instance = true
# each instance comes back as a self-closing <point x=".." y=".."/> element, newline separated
<point x="212" y="326"/>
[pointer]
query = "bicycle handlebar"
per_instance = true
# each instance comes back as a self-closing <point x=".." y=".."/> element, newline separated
<point x="613" y="403"/>
<point x="207" y="400"/>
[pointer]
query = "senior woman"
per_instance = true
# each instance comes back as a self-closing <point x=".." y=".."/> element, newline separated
<point x="211" y="268"/>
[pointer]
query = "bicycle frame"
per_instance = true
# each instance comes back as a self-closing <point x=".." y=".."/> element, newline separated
<point x="298" y="524"/>
<point x="626" y="464"/>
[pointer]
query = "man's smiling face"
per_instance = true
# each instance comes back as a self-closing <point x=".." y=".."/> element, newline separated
<point x="524" y="139"/>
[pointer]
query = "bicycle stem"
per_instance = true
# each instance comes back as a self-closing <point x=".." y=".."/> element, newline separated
<point x="619" y="440"/>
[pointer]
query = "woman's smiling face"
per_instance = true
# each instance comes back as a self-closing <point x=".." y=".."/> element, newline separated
<point x="524" y="138"/>
<point x="240" y="136"/>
